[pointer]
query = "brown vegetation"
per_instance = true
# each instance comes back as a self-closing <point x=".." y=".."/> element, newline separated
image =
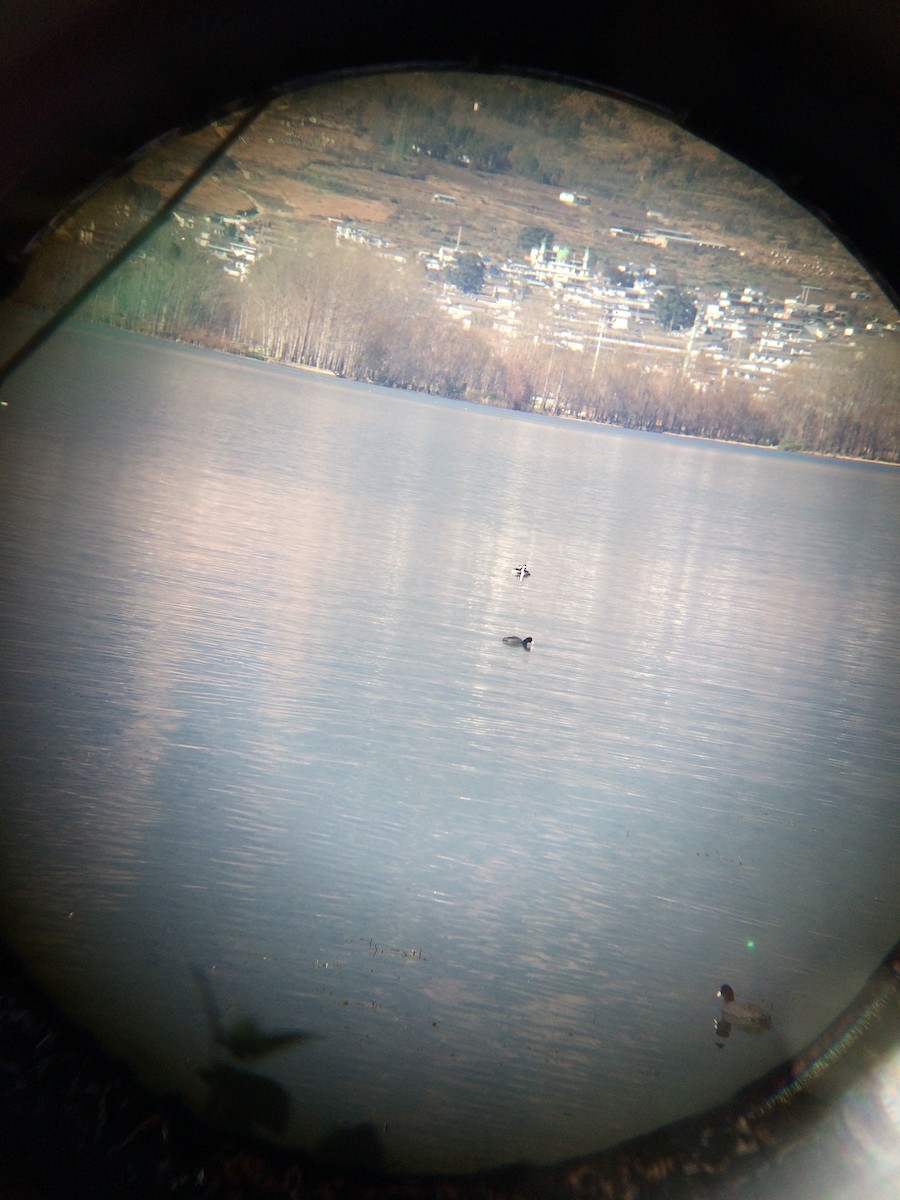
<point x="375" y="151"/>
<point x="341" y="308"/>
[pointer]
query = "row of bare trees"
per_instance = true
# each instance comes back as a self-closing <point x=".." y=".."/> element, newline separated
<point x="342" y="308"/>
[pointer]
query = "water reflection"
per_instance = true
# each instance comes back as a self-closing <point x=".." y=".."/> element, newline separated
<point x="265" y="722"/>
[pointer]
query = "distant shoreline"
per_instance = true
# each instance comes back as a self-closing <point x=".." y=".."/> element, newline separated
<point x="12" y="312"/>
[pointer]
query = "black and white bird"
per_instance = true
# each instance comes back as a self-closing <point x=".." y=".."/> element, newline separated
<point x="525" y="643"/>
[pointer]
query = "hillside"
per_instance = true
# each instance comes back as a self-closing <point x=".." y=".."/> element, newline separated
<point x="331" y="231"/>
<point x="382" y="146"/>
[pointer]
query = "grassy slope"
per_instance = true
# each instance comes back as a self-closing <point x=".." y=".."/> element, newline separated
<point x="344" y="149"/>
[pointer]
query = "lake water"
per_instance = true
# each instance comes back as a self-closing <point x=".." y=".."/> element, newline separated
<point x="258" y="720"/>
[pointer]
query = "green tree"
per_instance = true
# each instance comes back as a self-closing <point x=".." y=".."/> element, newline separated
<point x="467" y="274"/>
<point x="533" y="235"/>
<point x="675" y="310"/>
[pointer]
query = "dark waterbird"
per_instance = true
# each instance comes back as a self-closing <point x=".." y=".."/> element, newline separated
<point x="750" y="1017"/>
<point x="525" y="643"/>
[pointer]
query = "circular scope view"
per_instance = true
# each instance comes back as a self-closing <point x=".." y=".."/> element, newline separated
<point x="450" y="659"/>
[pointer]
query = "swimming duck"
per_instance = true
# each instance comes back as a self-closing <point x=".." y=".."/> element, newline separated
<point x="525" y="643"/>
<point x="748" y="1016"/>
<point x="521" y="572"/>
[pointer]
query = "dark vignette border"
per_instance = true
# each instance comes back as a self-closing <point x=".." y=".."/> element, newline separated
<point x="806" y="92"/>
<point x="77" y="1124"/>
